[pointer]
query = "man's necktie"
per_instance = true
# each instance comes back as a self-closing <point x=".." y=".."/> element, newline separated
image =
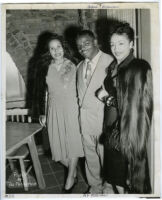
<point x="88" y="73"/>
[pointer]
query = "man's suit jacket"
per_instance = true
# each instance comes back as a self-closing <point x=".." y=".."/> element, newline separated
<point x="91" y="109"/>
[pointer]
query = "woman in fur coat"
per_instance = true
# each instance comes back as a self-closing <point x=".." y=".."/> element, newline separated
<point x="128" y="115"/>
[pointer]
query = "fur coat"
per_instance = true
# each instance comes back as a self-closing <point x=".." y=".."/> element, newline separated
<point x="135" y="106"/>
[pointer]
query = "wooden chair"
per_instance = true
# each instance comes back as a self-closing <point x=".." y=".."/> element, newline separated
<point x="19" y="115"/>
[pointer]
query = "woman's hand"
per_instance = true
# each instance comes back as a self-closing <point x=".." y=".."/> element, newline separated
<point x="42" y="120"/>
<point x="110" y="101"/>
<point x="102" y="94"/>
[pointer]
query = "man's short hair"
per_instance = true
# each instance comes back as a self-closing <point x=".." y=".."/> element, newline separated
<point x="86" y="32"/>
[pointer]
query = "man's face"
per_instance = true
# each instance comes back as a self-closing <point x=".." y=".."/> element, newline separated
<point x="87" y="46"/>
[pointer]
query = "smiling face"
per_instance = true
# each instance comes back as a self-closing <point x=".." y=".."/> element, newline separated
<point x="120" y="46"/>
<point x="87" y="46"/>
<point x="56" y="49"/>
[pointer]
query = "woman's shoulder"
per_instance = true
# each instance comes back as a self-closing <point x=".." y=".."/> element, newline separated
<point x="140" y="64"/>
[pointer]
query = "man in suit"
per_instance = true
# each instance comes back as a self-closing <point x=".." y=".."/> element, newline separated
<point x="90" y="76"/>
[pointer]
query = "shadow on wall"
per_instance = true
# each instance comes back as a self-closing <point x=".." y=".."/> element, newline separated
<point x="104" y="26"/>
<point x="70" y="35"/>
<point x="33" y="65"/>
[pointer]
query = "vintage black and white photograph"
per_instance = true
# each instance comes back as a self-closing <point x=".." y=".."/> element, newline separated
<point x="81" y="107"/>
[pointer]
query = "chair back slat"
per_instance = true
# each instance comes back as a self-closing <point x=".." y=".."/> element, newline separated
<point x="29" y="119"/>
<point x="12" y="118"/>
<point x="17" y="118"/>
<point x="23" y="118"/>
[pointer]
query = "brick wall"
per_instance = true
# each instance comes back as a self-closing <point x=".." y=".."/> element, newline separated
<point x="23" y="28"/>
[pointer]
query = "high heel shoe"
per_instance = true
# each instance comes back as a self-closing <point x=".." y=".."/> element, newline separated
<point x="69" y="191"/>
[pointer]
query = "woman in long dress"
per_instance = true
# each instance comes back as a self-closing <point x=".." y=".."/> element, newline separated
<point x="62" y="109"/>
<point x="128" y="115"/>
